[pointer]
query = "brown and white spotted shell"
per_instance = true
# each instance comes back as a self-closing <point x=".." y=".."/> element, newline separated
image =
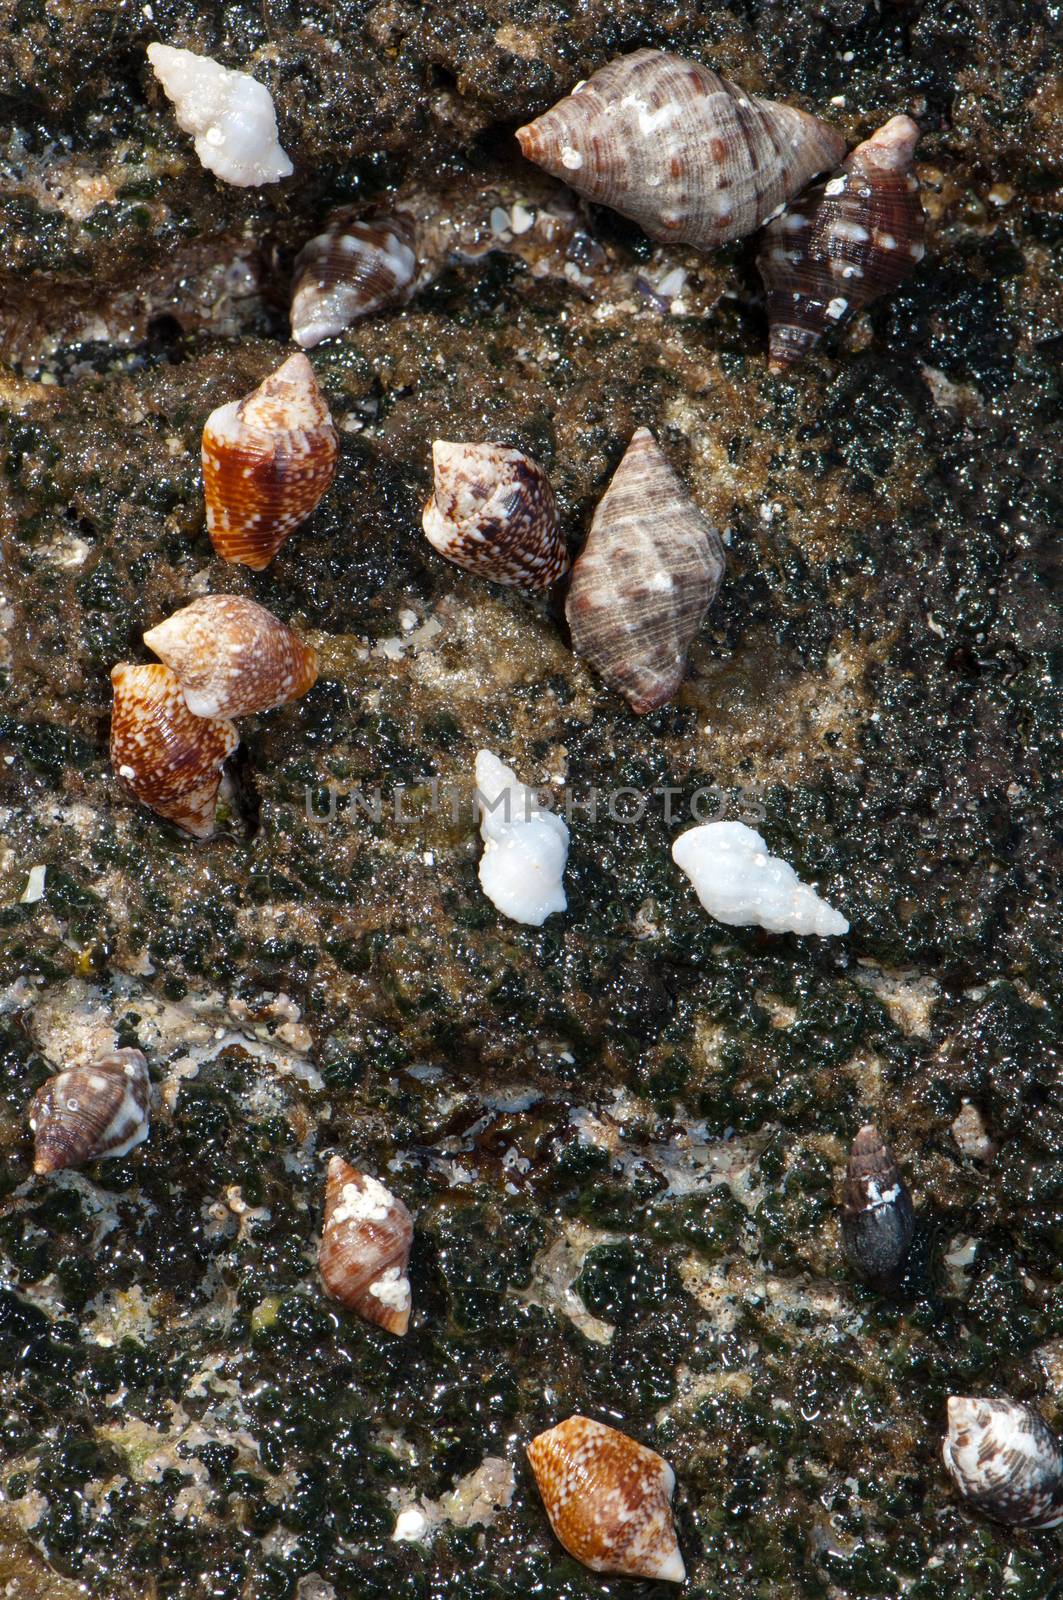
<point x="493" y="512"/>
<point x="843" y="244"/>
<point x="683" y="152"/>
<point x="86" y="1113"/>
<point x="1005" y="1461"/>
<point x="357" y="266"/>
<point x="608" y="1499"/>
<point x="232" y="656"/>
<point x="167" y="757"/>
<point x="365" y="1247"/>
<point x="644" y="580"/>
<point x="267" y="461"/>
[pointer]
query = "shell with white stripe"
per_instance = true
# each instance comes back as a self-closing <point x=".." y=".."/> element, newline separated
<point x="86" y="1113"/>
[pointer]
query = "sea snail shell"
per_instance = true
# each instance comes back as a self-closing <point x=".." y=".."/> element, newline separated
<point x="608" y="1499"/>
<point x="232" y="656"/>
<point x="168" y="758"/>
<point x="86" y="1113"/>
<point x="645" y="579"/>
<point x="843" y="243"/>
<point x="680" y="150"/>
<point x="493" y="512"/>
<point x="365" y="1247"/>
<point x="355" y="267"/>
<point x="267" y="461"/>
<point x="878" y="1221"/>
<point x="1005" y="1461"/>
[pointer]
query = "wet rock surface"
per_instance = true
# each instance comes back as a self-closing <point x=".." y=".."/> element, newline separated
<point x="622" y="1135"/>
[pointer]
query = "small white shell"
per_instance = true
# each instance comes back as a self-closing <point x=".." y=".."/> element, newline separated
<point x="740" y="882"/>
<point x="229" y="114"/>
<point x="525" y="848"/>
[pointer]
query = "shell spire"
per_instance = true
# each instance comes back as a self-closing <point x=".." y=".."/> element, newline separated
<point x="357" y="266"/>
<point x="645" y="579"/>
<point x="683" y="152"/>
<point x="493" y="512"/>
<point x="878" y="1222"/>
<point x="87" y="1113"/>
<point x="1005" y="1461"/>
<point x="232" y="656"/>
<point x="843" y="244"/>
<point x="267" y="461"/>
<point x="608" y="1499"/>
<point x="365" y="1247"/>
<point x="168" y="758"/>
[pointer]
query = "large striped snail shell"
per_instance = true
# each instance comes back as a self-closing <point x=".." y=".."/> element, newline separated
<point x="365" y="1247"/>
<point x="267" y="461"/>
<point x="843" y="244"/>
<point x="232" y="656"/>
<point x="683" y="152"/>
<point x="493" y="512"/>
<point x="355" y="267"/>
<point x="645" y="579"/>
<point x="1005" y="1461"/>
<point x="878" y="1222"/>
<point x="86" y="1113"/>
<point x="168" y="758"/>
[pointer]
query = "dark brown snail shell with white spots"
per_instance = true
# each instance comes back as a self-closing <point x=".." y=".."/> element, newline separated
<point x="493" y="512"/>
<point x="357" y="266"/>
<point x="683" y="152"/>
<point x="878" y="1222"/>
<point x="843" y="243"/>
<point x="233" y="656"/>
<point x="1005" y="1461"/>
<point x="86" y="1113"/>
<point x="167" y="757"/>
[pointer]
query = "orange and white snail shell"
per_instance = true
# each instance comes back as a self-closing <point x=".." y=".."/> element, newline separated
<point x="357" y="266"/>
<point x="168" y="758"/>
<point x="365" y="1247"/>
<point x="87" y="1113"/>
<point x="493" y="512"/>
<point x="233" y="656"/>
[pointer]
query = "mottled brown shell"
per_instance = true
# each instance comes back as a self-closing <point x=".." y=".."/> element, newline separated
<point x="843" y="243"/>
<point x="878" y="1222"/>
<point x="608" y="1499"/>
<point x="357" y="266"/>
<point x="168" y="758"/>
<point x="86" y="1113"/>
<point x="267" y="461"/>
<point x="493" y="512"/>
<point x="1005" y="1461"/>
<point x="683" y="152"/>
<point x="645" y="579"/>
<point x="232" y="656"/>
<point x="365" y="1247"/>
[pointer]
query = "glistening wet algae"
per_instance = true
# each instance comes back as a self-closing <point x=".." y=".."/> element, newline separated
<point x="633" y="1101"/>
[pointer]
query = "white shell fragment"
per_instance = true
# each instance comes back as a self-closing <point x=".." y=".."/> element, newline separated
<point x="229" y="114"/>
<point x="740" y="882"/>
<point x="525" y="848"/>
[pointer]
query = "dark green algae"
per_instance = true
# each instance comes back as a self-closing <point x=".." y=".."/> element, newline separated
<point x="875" y="680"/>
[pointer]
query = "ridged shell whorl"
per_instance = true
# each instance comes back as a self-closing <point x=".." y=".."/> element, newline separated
<point x="232" y="656"/>
<point x="86" y="1113"/>
<point x="680" y="150"/>
<point x="878" y="1222"/>
<point x="608" y="1499"/>
<point x="365" y="1247"/>
<point x="1005" y="1461"/>
<point x="645" y="579"/>
<point x="355" y="267"/>
<point x="493" y="512"/>
<point x="267" y="461"/>
<point x="843" y="244"/>
<point x="168" y="758"/>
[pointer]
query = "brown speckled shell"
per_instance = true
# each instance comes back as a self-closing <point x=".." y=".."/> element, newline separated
<point x="493" y="512"/>
<point x="843" y="243"/>
<point x="360" y="1254"/>
<point x="1005" y="1461"/>
<point x="86" y="1113"/>
<point x="357" y="266"/>
<point x="168" y="758"/>
<point x="645" y="579"/>
<point x="232" y="656"/>
<point x="680" y="150"/>
<point x="267" y="461"/>
<point x="608" y="1499"/>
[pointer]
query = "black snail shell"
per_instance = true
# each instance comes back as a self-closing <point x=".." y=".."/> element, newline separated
<point x="878" y="1222"/>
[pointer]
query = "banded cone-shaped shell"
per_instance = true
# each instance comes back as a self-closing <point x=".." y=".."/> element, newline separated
<point x="645" y="579"/>
<point x="232" y="656"/>
<point x="357" y="266"/>
<point x="365" y="1247"/>
<point x="267" y="461"/>
<point x="843" y="244"/>
<point x="1005" y="1461"/>
<point x="878" y="1222"/>
<point x="493" y="512"/>
<point x="683" y="152"/>
<point x="168" y="758"/>
<point x="608" y="1499"/>
<point x="86" y="1113"/>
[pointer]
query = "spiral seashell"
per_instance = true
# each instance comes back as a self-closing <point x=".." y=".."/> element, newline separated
<point x="878" y="1222"/>
<point x="358" y="265"/>
<point x="843" y="244"/>
<point x="608" y="1499"/>
<point x="168" y="758"/>
<point x="267" y="461"/>
<point x="229" y="114"/>
<point x="86" y="1113"/>
<point x="232" y="656"/>
<point x="365" y="1247"/>
<point x="1005" y="1461"/>
<point x="645" y="579"/>
<point x="684" y="153"/>
<point x="493" y="512"/>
